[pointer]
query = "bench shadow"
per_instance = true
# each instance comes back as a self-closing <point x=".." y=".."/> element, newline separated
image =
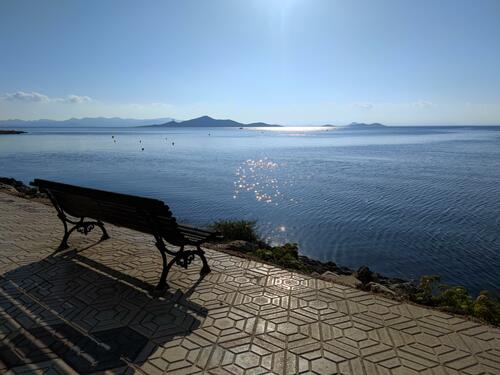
<point x="93" y="317"/>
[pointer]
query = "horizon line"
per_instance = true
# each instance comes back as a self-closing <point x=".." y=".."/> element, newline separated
<point x="332" y="123"/>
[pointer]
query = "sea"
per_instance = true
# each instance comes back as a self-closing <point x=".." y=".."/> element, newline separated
<point x="406" y="201"/>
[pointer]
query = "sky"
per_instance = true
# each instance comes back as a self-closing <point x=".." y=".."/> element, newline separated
<point x="295" y="62"/>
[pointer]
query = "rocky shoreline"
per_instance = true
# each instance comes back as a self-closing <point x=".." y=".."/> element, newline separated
<point x="11" y="132"/>
<point x="362" y="278"/>
<point x="453" y="299"/>
<point x="18" y="188"/>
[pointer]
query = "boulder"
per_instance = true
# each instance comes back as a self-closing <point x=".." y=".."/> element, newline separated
<point x="379" y="288"/>
<point x="365" y="275"/>
<point x="8" y="189"/>
<point x="348" y="280"/>
<point x="242" y="246"/>
<point x="21" y="188"/>
<point x="403" y="289"/>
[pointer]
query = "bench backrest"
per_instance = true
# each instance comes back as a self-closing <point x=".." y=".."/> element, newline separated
<point x="133" y="212"/>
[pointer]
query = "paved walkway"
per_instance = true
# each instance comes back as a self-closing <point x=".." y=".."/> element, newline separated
<point x="87" y="310"/>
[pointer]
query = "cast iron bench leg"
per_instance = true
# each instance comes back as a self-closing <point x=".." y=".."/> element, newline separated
<point x="105" y="234"/>
<point x="82" y="226"/>
<point x="64" y="243"/>
<point x="162" y="284"/>
<point x="206" y="268"/>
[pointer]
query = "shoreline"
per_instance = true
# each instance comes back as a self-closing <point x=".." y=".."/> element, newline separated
<point x="5" y="132"/>
<point x="363" y="278"/>
<point x="484" y="308"/>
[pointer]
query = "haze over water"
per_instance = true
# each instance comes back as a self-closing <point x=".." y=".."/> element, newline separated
<point x="404" y="201"/>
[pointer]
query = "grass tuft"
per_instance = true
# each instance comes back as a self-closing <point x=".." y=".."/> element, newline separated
<point x="236" y="230"/>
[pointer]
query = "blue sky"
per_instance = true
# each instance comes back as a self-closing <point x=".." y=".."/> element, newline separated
<point x="280" y="61"/>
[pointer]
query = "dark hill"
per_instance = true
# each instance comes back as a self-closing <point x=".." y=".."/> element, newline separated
<point x="209" y="122"/>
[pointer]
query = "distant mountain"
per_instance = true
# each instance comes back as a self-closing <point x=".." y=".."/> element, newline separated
<point x="209" y="122"/>
<point x="83" y="122"/>
<point x="361" y="125"/>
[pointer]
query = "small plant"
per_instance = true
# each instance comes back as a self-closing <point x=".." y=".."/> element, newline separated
<point x="285" y="256"/>
<point x="457" y="299"/>
<point x="236" y="230"/>
<point x="426" y="290"/>
<point x="487" y="308"/>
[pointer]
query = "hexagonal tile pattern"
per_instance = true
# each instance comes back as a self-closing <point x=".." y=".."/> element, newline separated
<point x="89" y="310"/>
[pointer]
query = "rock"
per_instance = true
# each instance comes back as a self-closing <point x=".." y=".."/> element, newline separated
<point x="403" y="289"/>
<point x="379" y="288"/>
<point x="22" y="189"/>
<point x="236" y="246"/>
<point x="8" y="188"/>
<point x="345" y="271"/>
<point x="243" y="246"/>
<point x="364" y="275"/>
<point x="322" y="267"/>
<point x="329" y="276"/>
<point x="348" y="280"/>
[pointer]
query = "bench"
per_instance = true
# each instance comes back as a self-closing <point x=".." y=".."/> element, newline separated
<point x="76" y="204"/>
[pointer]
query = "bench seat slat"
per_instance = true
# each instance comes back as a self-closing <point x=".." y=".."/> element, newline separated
<point x="195" y="230"/>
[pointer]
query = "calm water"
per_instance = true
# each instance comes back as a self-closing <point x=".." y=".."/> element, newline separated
<point x="404" y="201"/>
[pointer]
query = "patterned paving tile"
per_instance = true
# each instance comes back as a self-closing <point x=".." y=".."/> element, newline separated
<point x="88" y="310"/>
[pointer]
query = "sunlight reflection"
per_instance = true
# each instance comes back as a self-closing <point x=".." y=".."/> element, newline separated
<point x="294" y="129"/>
<point x="258" y="177"/>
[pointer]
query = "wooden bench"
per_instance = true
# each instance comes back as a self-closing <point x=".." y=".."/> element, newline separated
<point x="76" y="204"/>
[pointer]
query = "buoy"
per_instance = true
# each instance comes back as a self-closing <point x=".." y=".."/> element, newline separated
<point x="173" y="143"/>
<point x="142" y="149"/>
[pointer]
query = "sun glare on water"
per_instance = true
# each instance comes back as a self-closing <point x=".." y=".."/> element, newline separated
<point x="294" y="129"/>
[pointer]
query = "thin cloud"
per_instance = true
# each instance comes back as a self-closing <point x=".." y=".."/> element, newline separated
<point x="423" y="104"/>
<point x="78" y="99"/>
<point x="36" y="97"/>
<point x="366" y="106"/>
<point x="26" y="97"/>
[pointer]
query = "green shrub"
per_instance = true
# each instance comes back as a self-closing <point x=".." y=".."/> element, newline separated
<point x="426" y="290"/>
<point x="457" y="299"/>
<point x="285" y="256"/>
<point x="237" y="230"/>
<point x="486" y="308"/>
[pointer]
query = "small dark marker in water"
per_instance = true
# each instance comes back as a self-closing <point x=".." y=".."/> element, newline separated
<point x="112" y="136"/>
<point x="173" y="143"/>
<point x="142" y="149"/>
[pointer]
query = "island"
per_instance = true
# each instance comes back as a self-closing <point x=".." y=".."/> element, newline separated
<point x="362" y="125"/>
<point x="11" y="132"/>
<point x="209" y="122"/>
